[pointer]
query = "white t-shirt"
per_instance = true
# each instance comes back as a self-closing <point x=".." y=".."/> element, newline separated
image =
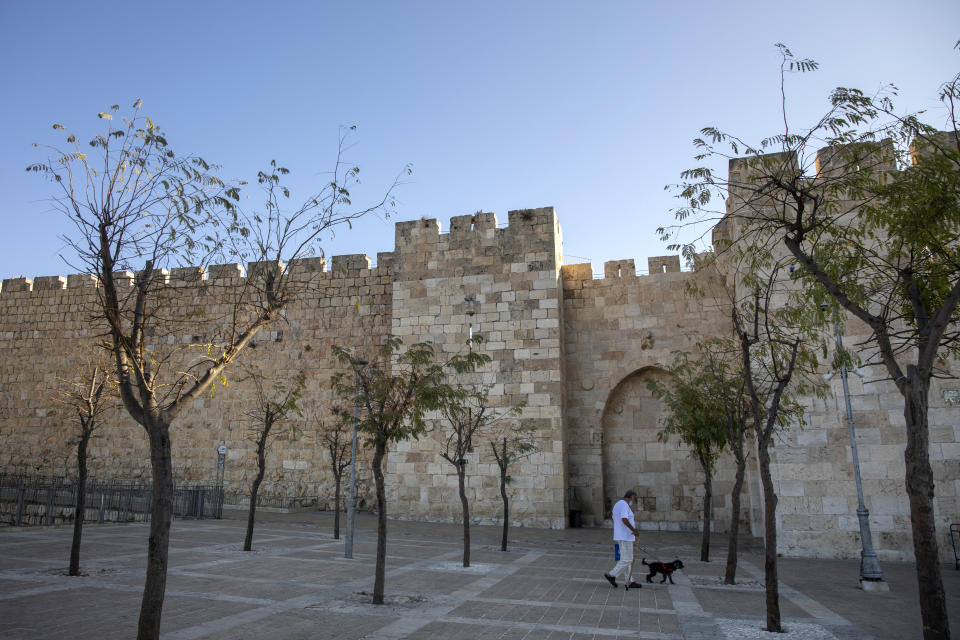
<point x="622" y="510"/>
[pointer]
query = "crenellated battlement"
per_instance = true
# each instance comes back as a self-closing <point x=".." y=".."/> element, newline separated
<point x="343" y="266"/>
<point x="742" y="171"/>
<point x="415" y="235"/>
<point x="475" y="245"/>
<point x="839" y="160"/>
<point x="577" y="275"/>
<point x="842" y="160"/>
<point x="921" y="149"/>
<point x="477" y="222"/>
<point x="412" y="237"/>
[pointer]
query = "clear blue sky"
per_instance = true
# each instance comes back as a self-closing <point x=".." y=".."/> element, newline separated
<point x="588" y="107"/>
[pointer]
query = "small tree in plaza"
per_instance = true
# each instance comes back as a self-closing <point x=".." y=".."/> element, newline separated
<point x="138" y="209"/>
<point x="865" y="203"/>
<point x="273" y="403"/>
<point x="697" y="417"/>
<point x="512" y="444"/>
<point x="718" y="366"/>
<point x="337" y="439"/>
<point x="468" y="416"/>
<point x="395" y="389"/>
<point x="85" y="395"/>
<point x="724" y="373"/>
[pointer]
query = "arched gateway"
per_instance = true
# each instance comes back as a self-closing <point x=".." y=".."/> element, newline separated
<point x="661" y="473"/>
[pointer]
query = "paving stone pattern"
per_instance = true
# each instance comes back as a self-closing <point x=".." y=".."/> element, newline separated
<point x="297" y="584"/>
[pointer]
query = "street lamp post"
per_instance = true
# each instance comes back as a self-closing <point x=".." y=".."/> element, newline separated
<point x="348" y="547"/>
<point x="471" y="309"/>
<point x="871" y="577"/>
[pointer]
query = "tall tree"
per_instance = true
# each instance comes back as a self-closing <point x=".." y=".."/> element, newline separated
<point x="720" y="364"/>
<point x="511" y="445"/>
<point x="137" y="209"/>
<point x="273" y="403"/>
<point x="85" y="394"/>
<point x="468" y="416"/>
<point x="396" y="389"/>
<point x="880" y="242"/>
<point x="696" y="416"/>
<point x="778" y="352"/>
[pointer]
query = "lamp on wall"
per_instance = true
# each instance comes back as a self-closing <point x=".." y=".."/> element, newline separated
<point x="470" y="308"/>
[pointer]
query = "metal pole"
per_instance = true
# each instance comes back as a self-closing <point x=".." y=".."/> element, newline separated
<point x="348" y="547"/>
<point x="471" y="308"/>
<point x="221" y="470"/>
<point x="869" y="566"/>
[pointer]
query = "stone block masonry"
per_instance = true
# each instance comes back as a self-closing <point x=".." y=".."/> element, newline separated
<point x="42" y="329"/>
<point x="512" y="277"/>
<point x="620" y="332"/>
<point x="575" y="350"/>
<point x="416" y="292"/>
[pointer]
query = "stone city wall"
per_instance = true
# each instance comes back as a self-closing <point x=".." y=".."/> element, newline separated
<point x="416" y="292"/>
<point x="575" y="350"/>
<point x="45" y="323"/>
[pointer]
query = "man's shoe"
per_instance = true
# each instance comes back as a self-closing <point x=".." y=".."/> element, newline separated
<point x="633" y="585"/>
<point x="611" y="580"/>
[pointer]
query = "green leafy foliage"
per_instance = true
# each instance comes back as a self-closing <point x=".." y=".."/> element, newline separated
<point x="467" y="414"/>
<point x="518" y="444"/>
<point x="275" y="400"/>
<point x="398" y="387"/>
<point x="863" y="209"/>
<point x="512" y="442"/>
<point x="396" y="390"/>
<point x="697" y="398"/>
<point x="866" y="229"/>
<point x="150" y="203"/>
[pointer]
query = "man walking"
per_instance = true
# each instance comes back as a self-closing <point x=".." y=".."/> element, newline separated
<point x="624" y="533"/>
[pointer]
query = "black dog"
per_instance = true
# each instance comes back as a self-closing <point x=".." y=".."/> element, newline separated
<point x="666" y="568"/>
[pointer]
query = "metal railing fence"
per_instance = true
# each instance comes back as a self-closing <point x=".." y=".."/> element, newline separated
<point x="46" y="500"/>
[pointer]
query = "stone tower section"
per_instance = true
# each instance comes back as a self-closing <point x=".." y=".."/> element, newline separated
<point x="620" y="332"/>
<point x="512" y="274"/>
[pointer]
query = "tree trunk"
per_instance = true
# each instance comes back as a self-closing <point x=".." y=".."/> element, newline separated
<point x="378" y="455"/>
<point x="506" y="504"/>
<point x="730" y="575"/>
<point x="336" y="508"/>
<point x="80" y="508"/>
<point x="161" y="515"/>
<point x="707" y="514"/>
<point x="920" y="486"/>
<point x="770" y="538"/>
<point x="255" y="489"/>
<point x="461" y="478"/>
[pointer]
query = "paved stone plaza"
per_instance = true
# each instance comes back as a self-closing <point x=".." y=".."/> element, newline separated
<point x="297" y="584"/>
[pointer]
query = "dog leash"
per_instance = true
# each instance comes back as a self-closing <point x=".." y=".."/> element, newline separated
<point x="650" y="553"/>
